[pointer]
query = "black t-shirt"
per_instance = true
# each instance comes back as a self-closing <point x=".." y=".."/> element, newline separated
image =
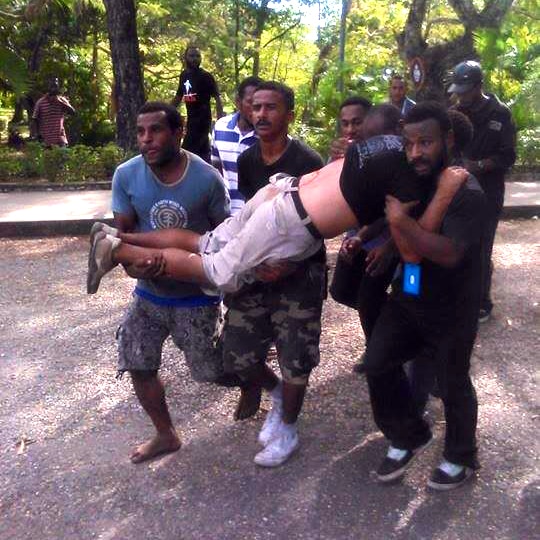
<point x="366" y="180"/>
<point x="253" y="173"/>
<point x="453" y="292"/>
<point x="195" y="88"/>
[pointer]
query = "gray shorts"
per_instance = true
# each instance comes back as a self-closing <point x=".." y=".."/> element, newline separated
<point x="267" y="229"/>
<point x="194" y="330"/>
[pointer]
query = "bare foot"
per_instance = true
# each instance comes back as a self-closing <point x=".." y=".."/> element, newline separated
<point x="160" y="444"/>
<point x="249" y="402"/>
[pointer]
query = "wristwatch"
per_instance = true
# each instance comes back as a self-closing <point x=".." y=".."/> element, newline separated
<point x="481" y="164"/>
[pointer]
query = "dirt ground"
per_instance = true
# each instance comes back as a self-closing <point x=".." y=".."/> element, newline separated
<point x="67" y="425"/>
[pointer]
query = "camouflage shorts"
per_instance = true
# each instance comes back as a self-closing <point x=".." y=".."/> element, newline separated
<point x="287" y="313"/>
<point x="194" y="330"/>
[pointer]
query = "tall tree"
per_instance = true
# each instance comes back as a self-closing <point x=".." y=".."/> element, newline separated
<point x="439" y="58"/>
<point x="128" y="80"/>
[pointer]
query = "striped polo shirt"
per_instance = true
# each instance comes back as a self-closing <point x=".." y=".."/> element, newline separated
<point x="227" y="144"/>
<point x="50" y="116"/>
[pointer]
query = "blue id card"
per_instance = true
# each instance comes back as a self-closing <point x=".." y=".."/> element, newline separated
<point x="411" y="279"/>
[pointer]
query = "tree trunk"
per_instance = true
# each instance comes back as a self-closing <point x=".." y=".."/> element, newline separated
<point x="128" y="80"/>
<point x="18" y="112"/>
<point x="439" y="59"/>
<point x="262" y="16"/>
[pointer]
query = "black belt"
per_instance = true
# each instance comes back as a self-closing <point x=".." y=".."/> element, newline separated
<point x="308" y="224"/>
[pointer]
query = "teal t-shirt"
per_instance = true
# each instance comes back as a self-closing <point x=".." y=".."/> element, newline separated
<point x="198" y="201"/>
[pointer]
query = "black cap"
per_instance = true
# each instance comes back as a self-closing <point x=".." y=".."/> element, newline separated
<point x="465" y="77"/>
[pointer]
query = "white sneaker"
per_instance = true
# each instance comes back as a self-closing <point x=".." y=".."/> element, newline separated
<point x="271" y="424"/>
<point x="279" y="450"/>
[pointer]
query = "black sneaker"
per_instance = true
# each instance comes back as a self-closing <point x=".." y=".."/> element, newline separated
<point x="484" y="315"/>
<point x="359" y="368"/>
<point x="397" y="461"/>
<point x="449" y="476"/>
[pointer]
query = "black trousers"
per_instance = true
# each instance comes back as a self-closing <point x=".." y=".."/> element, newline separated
<point x="400" y="334"/>
<point x="196" y="139"/>
<point x="352" y="287"/>
<point x="493" y="214"/>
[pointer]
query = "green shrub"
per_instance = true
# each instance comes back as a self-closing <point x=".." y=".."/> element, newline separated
<point x="82" y="164"/>
<point x="98" y="133"/>
<point x="53" y="162"/>
<point x="32" y="164"/>
<point x="110" y="157"/>
<point x="528" y="147"/>
<point x="10" y="163"/>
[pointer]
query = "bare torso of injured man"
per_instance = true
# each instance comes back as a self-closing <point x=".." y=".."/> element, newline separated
<point x="286" y="220"/>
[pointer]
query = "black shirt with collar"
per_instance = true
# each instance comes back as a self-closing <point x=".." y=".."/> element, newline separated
<point x="494" y="138"/>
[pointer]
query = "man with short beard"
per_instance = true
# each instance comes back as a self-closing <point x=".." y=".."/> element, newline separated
<point x="166" y="187"/>
<point x="433" y="305"/>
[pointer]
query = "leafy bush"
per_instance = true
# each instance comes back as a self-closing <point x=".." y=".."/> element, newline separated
<point x="82" y="164"/>
<point x="528" y="147"/>
<point x="33" y="159"/>
<point x="53" y="162"/>
<point x="97" y="132"/>
<point x="110" y="156"/>
<point x="78" y="163"/>
<point x="10" y="162"/>
<point x="318" y="138"/>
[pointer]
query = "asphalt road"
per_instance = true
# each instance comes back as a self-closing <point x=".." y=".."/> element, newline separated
<point x="67" y="425"/>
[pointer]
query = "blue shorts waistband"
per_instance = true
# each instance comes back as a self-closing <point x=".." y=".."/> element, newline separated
<point x="187" y="301"/>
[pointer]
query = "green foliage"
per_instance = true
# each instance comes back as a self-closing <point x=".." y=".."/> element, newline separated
<point x="10" y="163"/>
<point x="510" y="58"/>
<point x="13" y="71"/>
<point x="110" y="156"/>
<point x="32" y="163"/>
<point x="68" y="38"/>
<point x="53" y="161"/>
<point x="78" y="163"/>
<point x="3" y="126"/>
<point x="528" y="147"/>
